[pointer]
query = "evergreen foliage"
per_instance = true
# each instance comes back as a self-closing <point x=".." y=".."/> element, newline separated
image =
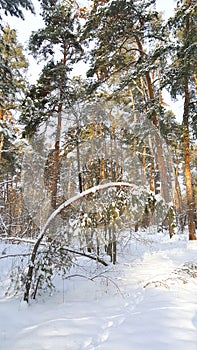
<point x="12" y="85"/>
<point x="124" y="35"/>
<point x="57" y="44"/>
<point x="184" y="56"/>
<point x="15" y="7"/>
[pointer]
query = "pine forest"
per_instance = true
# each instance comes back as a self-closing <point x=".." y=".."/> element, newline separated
<point x="91" y="153"/>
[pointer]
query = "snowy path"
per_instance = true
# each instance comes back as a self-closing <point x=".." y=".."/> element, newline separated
<point x="93" y="316"/>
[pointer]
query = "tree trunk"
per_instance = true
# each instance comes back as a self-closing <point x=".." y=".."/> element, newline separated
<point x="56" y="159"/>
<point x="151" y="176"/>
<point x="114" y="245"/>
<point x="165" y="190"/>
<point x="195" y="79"/>
<point x="144" y="165"/>
<point x="79" y="168"/>
<point x="134" y="170"/>
<point x="1" y="134"/>
<point x="188" y="175"/>
<point x="179" y="201"/>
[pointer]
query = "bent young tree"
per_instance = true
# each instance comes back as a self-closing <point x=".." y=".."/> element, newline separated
<point x="63" y="206"/>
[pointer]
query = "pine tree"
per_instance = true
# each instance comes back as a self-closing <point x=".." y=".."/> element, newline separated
<point x="127" y="52"/>
<point x="57" y="44"/>
<point x="12" y="85"/>
<point x="181" y="77"/>
<point x="13" y="65"/>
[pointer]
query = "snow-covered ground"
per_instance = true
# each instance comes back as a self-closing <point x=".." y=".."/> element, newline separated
<point x="147" y="301"/>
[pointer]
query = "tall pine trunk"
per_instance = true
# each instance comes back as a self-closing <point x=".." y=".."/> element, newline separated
<point x="187" y="169"/>
<point x="165" y="189"/>
<point x="56" y="159"/>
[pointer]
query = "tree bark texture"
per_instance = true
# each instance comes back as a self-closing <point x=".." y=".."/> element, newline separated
<point x="188" y="175"/>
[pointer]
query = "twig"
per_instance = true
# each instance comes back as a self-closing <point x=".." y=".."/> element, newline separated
<point x="156" y="284"/>
<point x="78" y="275"/>
<point x="14" y="255"/>
<point x="96" y="258"/>
<point x="100" y="275"/>
<point x="7" y="256"/>
<point x="20" y="240"/>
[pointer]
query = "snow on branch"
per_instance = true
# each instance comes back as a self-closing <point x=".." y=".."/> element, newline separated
<point x="53" y="216"/>
<point x="81" y="195"/>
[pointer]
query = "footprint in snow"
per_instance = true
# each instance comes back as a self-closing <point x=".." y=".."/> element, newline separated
<point x="109" y="324"/>
<point x="138" y="297"/>
<point x="87" y="343"/>
<point x="104" y="336"/>
<point x="93" y="343"/>
<point x="121" y="320"/>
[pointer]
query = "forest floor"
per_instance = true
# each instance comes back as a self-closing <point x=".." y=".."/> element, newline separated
<point x="148" y="300"/>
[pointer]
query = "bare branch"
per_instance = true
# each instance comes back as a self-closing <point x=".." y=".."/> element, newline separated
<point x="14" y="255"/>
<point x="18" y="240"/>
<point x="96" y="258"/>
